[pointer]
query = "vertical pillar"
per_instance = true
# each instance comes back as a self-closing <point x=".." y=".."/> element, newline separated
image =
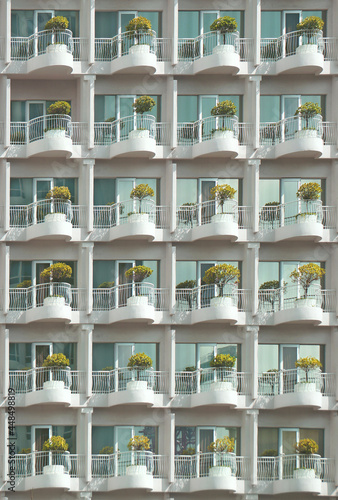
<point x="256" y="27"/>
<point x="333" y="360"/>
<point x="4" y="359"/>
<point x="85" y="272"/>
<point x="173" y="5"/>
<point x="4" y="442"/>
<point x="251" y="272"/>
<point x="253" y="103"/>
<point x="88" y="106"/>
<point x="250" y="423"/>
<point x="87" y="27"/>
<point x="85" y="441"/>
<point x="86" y="189"/>
<point x="6" y="28"/>
<point x="170" y="335"/>
<point x="252" y="191"/>
<point x="172" y="105"/>
<point x="171" y="275"/>
<point x="5" y="178"/>
<point x="86" y="357"/>
<point x="250" y="357"/>
<point x="5" y="112"/>
<point x="170" y="445"/>
<point x="4" y="277"/>
<point x="171" y="193"/>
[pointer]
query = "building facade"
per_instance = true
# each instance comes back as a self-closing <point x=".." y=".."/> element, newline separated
<point x="101" y="150"/>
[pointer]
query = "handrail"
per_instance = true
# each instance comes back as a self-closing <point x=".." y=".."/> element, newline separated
<point x="274" y="49"/>
<point x="25" y="48"/>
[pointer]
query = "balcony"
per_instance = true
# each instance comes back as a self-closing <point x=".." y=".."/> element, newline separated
<point x="290" y="388"/>
<point x="126" y="220"/>
<point x="211" y="386"/>
<point x="125" y="386"/>
<point x="47" y="53"/>
<point x="201" y="304"/>
<point x="130" y="302"/>
<point x="215" y="137"/>
<point x="45" y="302"/>
<point x="211" y="471"/>
<point x="51" y="136"/>
<point x="213" y="53"/>
<point x="294" y="53"/>
<point x="205" y="221"/>
<point x="132" y="136"/>
<point x="297" y="220"/>
<point x="43" y="469"/>
<point x="129" y="470"/>
<point x="124" y="54"/>
<point x="288" y="305"/>
<point x="295" y="474"/>
<point x="46" y="385"/>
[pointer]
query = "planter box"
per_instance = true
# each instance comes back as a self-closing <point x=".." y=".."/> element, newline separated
<point x="306" y="387"/>
<point x="301" y="218"/>
<point x="136" y="470"/>
<point x="138" y="134"/>
<point x="223" y="49"/>
<point x="223" y="134"/>
<point x="53" y="469"/>
<point x="56" y="217"/>
<point x="304" y="474"/>
<point x="221" y="302"/>
<point x="220" y="471"/>
<point x="308" y="48"/>
<point x="137" y="385"/>
<point x="56" y="385"/>
<point x="306" y="134"/>
<point x="221" y="386"/>
<point x="308" y="302"/>
<point x="54" y="301"/>
<point x="55" y="134"/>
<point x="138" y="300"/>
<point x="138" y="218"/>
<point x="56" y="47"/>
<point x="139" y="49"/>
<point x="222" y="218"/>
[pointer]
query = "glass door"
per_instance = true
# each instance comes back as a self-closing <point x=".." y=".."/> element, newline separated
<point x="205" y="353"/>
<point x="207" y="102"/>
<point x="208" y="207"/>
<point x="41" y="17"/>
<point x="287" y="440"/>
<point x="123" y="457"/>
<point x="40" y="291"/>
<point x="35" y="112"/>
<point x="122" y="355"/>
<point x="125" y="42"/>
<point x="289" y="292"/>
<point x="125" y="112"/>
<point x="40" y="434"/>
<point x="40" y="188"/>
<point x="206" y="459"/>
<point x="290" y="103"/>
<point x="210" y="39"/>
<point x="206" y="292"/>
<point x="288" y="357"/>
<point x="289" y="188"/>
<point x="123" y="190"/>
<point x="290" y="21"/>
<point x="39" y="354"/>
<point x="125" y="288"/>
<point x="124" y="18"/>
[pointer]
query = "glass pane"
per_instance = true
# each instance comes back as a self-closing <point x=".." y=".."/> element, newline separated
<point x="206" y="354"/>
<point x="231" y="349"/>
<point x="154" y="17"/>
<point x="41" y="435"/>
<point x="43" y="17"/>
<point x="206" y="187"/>
<point x="206" y="437"/>
<point x="123" y="435"/>
<point x="18" y="111"/>
<point x="36" y="109"/>
<point x="103" y="270"/>
<point x="186" y="191"/>
<point x="289" y="357"/>
<point x="41" y="353"/>
<point x="188" y="24"/>
<point x="104" y="191"/>
<point x="310" y="350"/>
<point x="105" y="107"/>
<point x="124" y="188"/>
<point x="23" y="435"/>
<point x="21" y="191"/>
<point x="103" y="355"/>
<point x="126" y="106"/>
<point x="102" y="437"/>
<point x="270" y="108"/>
<point x="39" y="267"/>
<point x="125" y="18"/>
<point x="69" y="433"/>
<point x="290" y="105"/>
<point x="105" y="24"/>
<point x="267" y="440"/>
<point x="151" y="433"/>
<point x="237" y="100"/>
<point x="185" y="356"/>
<point x="73" y="18"/>
<point x="239" y="16"/>
<point x="291" y="21"/>
<point x="315" y="434"/>
<point x="289" y="439"/>
<point x="151" y="183"/>
<point x="207" y="19"/>
<point x="124" y="351"/>
<point x="185" y="270"/>
<point x="20" y="355"/>
<point x="42" y="188"/>
<point x="22" y="22"/>
<point x="71" y="184"/>
<point x="69" y="350"/>
<point x="20" y="271"/>
<point x="230" y="432"/>
<point x="149" y="349"/>
<point x="185" y="437"/>
<point x="122" y="268"/>
<point x="268" y="271"/>
<point x="271" y="23"/>
<point x="267" y="357"/>
<point x="207" y="103"/>
<point x="268" y="191"/>
<point x="187" y="106"/>
<point x="153" y="264"/>
<point x="234" y="183"/>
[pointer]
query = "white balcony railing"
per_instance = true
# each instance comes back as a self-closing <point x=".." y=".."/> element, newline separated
<point x="116" y="464"/>
<point x="107" y="133"/>
<point x="285" y="382"/>
<point x="286" y="297"/>
<point x="35" y="129"/>
<point x="205" y="129"/>
<point x="201" y="380"/>
<point x="194" y="466"/>
<point x="204" y="45"/>
<point x="200" y="214"/>
<point x="163" y="134"/>
<point x="32" y="464"/>
<point x="25" y="381"/>
<point x="273" y="49"/>
<point x="108" y="216"/>
<point x="330" y="48"/>
<point x="80" y="49"/>
<point x="189" y="299"/>
<point x="283" y="467"/>
<point x="295" y="212"/>
<point x="23" y="299"/>
<point x="27" y="215"/>
<point x="288" y="128"/>
<point x="108" y="381"/>
<point x="24" y="48"/>
<point x="107" y="299"/>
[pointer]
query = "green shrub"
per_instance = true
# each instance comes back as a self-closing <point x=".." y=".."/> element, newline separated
<point x="221" y="193"/>
<point x="306" y="446"/>
<point x="189" y="451"/>
<point x="269" y="453"/>
<point x="224" y="24"/>
<point x="223" y="361"/>
<point x="309" y="191"/>
<point x="139" y="443"/>
<point x="106" y="284"/>
<point x="186" y="284"/>
<point x="307" y="274"/>
<point x="224" y="108"/>
<point x="57" y="23"/>
<point x="140" y="360"/>
<point x="56" y="273"/>
<point x="55" y="443"/>
<point x="311" y="23"/>
<point x="107" y="450"/>
<point x="138" y="25"/>
<point x="141" y="192"/>
<point x="56" y="360"/>
<point x="224" y="444"/>
<point x="138" y="273"/>
<point x="308" y="364"/>
<point x="59" y="193"/>
<point x="25" y="451"/>
<point x="143" y="104"/>
<point x="59" y="108"/>
<point x="220" y="275"/>
<point x="24" y="284"/>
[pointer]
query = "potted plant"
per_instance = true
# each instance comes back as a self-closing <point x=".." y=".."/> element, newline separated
<point x="187" y="213"/>
<point x="270" y="293"/>
<point x="141" y="105"/>
<point x="226" y="113"/>
<point x="226" y="27"/>
<point x="185" y="293"/>
<point x="308" y="364"/>
<point x="305" y="275"/>
<point x="60" y="204"/>
<point x="59" y="372"/>
<point x="58" y="120"/>
<point x="138" y="364"/>
<point x="59" y="34"/>
<point x="308" y="459"/>
<point x="309" y="192"/>
<point x="310" y="32"/>
<point x="270" y="213"/>
<point x="55" y="275"/>
<point x="140" y="193"/>
<point x="59" y="460"/>
<point x="188" y="451"/>
<point x="226" y="379"/>
<point x="137" y="274"/>
<point x="310" y="114"/>
<point x="140" y="32"/>
<point x="220" y="276"/>
<point x="221" y="194"/>
<point x="225" y="458"/>
<point x="270" y="378"/>
<point x="140" y="448"/>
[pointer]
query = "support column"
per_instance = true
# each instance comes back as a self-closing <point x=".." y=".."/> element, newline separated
<point x="333" y="356"/>
<point x="86" y="189"/>
<point x="85" y="273"/>
<point x="88" y="106"/>
<point x="173" y="7"/>
<point x="5" y="111"/>
<point x="171" y="193"/>
<point x="170" y="444"/>
<point x="86" y="357"/>
<point x="252" y="191"/>
<point x="251" y="272"/>
<point x="6" y="28"/>
<point x="172" y="107"/>
<point x="5" y="178"/>
<point x="250" y="427"/>
<point x="87" y="27"/>
<point x="4" y="359"/>
<point x="171" y="275"/>
<point x="85" y="441"/>
<point x="250" y="357"/>
<point x="253" y="105"/>
<point x="170" y="335"/>
<point x="4" y="277"/>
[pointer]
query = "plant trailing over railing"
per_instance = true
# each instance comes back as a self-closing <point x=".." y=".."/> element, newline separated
<point x="59" y="108"/>
<point x="139" y="443"/>
<point x="308" y="364"/>
<point x="270" y="212"/>
<point x="106" y="284"/>
<point x="54" y="360"/>
<point x="307" y="111"/>
<point x="222" y="445"/>
<point x="25" y="451"/>
<point x="190" y="369"/>
<point x="186" y="295"/>
<point x="56" y="273"/>
<point x="59" y="193"/>
<point x="224" y="109"/>
<point x="221" y="193"/>
<point x="24" y="284"/>
<point x="189" y="451"/>
<point x="270" y="377"/>
<point x="224" y="25"/>
<point x="137" y="27"/>
<point x="221" y="275"/>
<point x="107" y="450"/>
<point x="271" y="294"/>
<point x="223" y="361"/>
<point x="141" y="192"/>
<point x="306" y="446"/>
<point x="269" y="453"/>
<point x="307" y="274"/>
<point x="55" y="443"/>
<point x="57" y="23"/>
<point x="187" y="213"/>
